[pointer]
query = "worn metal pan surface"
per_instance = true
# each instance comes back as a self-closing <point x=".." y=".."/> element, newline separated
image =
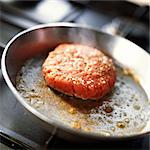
<point x="123" y="113"/>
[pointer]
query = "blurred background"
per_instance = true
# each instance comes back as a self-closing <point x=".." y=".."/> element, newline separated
<point x="129" y="18"/>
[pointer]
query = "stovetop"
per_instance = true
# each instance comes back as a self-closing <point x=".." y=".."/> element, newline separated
<point x="115" y="17"/>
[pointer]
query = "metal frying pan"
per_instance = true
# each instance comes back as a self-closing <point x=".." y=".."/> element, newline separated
<point x="123" y="113"/>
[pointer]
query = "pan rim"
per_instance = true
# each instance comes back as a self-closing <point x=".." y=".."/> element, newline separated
<point x="36" y="113"/>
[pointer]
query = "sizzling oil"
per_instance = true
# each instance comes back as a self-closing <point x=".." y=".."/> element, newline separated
<point x="124" y="111"/>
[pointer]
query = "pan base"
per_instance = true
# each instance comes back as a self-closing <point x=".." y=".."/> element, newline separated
<point x="124" y="111"/>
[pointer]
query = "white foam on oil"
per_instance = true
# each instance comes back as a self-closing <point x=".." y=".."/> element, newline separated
<point x="125" y="111"/>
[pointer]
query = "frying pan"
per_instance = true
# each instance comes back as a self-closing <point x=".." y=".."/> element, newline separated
<point x="34" y="44"/>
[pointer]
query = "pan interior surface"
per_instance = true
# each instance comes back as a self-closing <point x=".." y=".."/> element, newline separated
<point x="124" y="111"/>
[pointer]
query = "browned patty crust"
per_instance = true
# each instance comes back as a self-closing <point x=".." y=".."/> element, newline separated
<point x="80" y="71"/>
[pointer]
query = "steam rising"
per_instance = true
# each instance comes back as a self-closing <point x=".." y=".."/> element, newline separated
<point x="83" y="36"/>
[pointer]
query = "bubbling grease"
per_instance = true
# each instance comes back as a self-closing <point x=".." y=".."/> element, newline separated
<point x="124" y="111"/>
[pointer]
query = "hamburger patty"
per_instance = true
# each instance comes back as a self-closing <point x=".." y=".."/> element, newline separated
<point x="80" y="71"/>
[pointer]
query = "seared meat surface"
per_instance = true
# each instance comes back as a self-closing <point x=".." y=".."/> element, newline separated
<point x="80" y="71"/>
